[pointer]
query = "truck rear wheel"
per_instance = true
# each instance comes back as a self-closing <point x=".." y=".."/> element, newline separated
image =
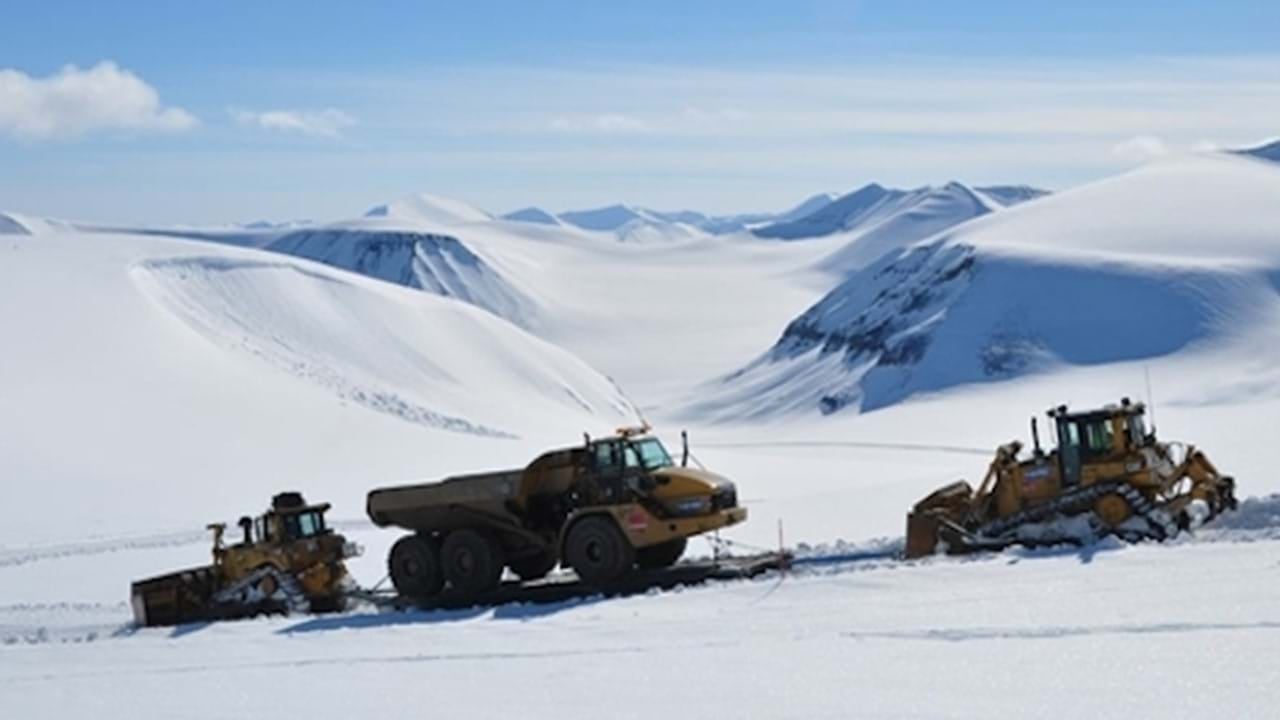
<point x="414" y="566"/>
<point x="598" y="551"/>
<point x="661" y="555"/>
<point x="472" y="560"/>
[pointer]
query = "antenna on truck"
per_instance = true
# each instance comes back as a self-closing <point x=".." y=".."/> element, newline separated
<point x="1151" y="399"/>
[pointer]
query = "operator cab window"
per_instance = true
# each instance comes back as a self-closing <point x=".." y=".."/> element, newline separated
<point x="310" y="524"/>
<point x="303" y="525"/>
<point x="1096" y="435"/>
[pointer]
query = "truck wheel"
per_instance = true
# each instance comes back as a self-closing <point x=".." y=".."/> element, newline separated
<point x="598" y="551"/>
<point x="534" y="567"/>
<point x="414" y="567"/>
<point x="472" y="561"/>
<point x="661" y="555"/>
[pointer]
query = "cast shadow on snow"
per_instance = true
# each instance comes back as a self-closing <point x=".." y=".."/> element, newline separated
<point x="393" y="618"/>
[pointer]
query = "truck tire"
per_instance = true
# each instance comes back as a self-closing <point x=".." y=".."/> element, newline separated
<point x="414" y="566"/>
<point x="598" y="551"/>
<point x="661" y="555"/>
<point x="534" y="567"/>
<point x="472" y="561"/>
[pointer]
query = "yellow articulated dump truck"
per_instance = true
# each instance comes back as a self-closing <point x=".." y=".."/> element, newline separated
<point x="603" y="508"/>
<point x="287" y="560"/>
<point x="1108" y="475"/>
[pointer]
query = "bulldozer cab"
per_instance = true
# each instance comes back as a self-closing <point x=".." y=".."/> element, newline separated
<point x="289" y="520"/>
<point x="1089" y="436"/>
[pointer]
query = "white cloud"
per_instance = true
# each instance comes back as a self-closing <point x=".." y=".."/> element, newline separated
<point x="1140" y="148"/>
<point x="329" y="122"/>
<point x="606" y="123"/>
<point x="72" y="102"/>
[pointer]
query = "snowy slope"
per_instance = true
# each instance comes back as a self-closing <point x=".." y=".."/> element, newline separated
<point x="196" y="377"/>
<point x="434" y="262"/>
<point x="1164" y="258"/>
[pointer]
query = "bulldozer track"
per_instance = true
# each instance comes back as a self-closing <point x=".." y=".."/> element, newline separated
<point x="1079" y="501"/>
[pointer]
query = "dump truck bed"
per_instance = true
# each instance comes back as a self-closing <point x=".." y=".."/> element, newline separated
<point x="446" y="504"/>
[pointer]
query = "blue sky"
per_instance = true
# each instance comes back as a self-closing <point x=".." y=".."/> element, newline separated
<point x="222" y="112"/>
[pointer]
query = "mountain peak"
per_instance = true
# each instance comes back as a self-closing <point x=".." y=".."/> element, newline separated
<point x="1267" y="151"/>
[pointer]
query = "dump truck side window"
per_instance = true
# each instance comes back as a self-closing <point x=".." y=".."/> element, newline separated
<point x="607" y="458"/>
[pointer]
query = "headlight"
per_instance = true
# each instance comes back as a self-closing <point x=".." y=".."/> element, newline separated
<point x="691" y="506"/>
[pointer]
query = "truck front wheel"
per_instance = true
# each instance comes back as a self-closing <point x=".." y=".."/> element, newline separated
<point x="473" y="561"/>
<point x="598" y="551"/>
<point x="414" y="567"/>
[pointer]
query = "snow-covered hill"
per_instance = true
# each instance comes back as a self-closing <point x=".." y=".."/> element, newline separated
<point x="195" y="378"/>
<point x="1162" y="259"/>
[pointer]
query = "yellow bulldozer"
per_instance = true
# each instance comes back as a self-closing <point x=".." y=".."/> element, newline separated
<point x="1108" y="475"/>
<point x="287" y="560"/>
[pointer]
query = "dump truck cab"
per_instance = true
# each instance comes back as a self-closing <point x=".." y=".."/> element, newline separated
<point x="634" y="464"/>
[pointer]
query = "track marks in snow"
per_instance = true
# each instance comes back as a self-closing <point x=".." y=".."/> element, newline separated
<point x="1054" y="632"/>
<point x="307" y="324"/>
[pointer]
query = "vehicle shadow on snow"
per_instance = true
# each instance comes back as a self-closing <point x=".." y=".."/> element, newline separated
<point x="394" y="618"/>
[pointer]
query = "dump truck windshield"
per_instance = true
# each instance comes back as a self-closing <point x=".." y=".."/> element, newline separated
<point x="652" y="454"/>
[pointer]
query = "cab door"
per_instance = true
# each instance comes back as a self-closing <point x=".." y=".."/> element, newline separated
<point x="1069" y="453"/>
<point x="607" y="469"/>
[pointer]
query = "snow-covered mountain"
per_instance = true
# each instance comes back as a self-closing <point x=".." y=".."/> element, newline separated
<point x="437" y="263"/>
<point x="430" y="209"/>
<point x="10" y="225"/>
<point x="532" y="215"/>
<point x="929" y="209"/>
<point x="1269" y="151"/>
<point x="615" y="217"/>
<point x="1133" y="267"/>
<point x="608" y="218"/>
<point x="16" y="224"/>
